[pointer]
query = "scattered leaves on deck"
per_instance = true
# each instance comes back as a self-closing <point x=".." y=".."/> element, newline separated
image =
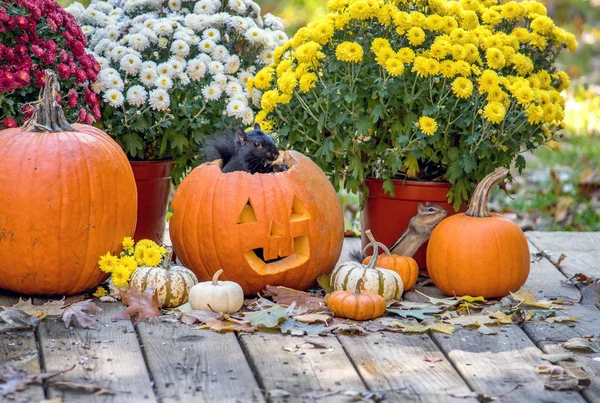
<point x="13" y="380"/>
<point x="143" y="304"/>
<point x="14" y="320"/>
<point x="75" y="314"/>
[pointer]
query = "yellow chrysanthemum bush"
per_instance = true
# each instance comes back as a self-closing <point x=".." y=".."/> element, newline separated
<point x="421" y="89"/>
<point x="143" y="253"/>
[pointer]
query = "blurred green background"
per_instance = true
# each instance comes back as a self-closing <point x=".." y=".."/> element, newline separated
<point x="560" y="189"/>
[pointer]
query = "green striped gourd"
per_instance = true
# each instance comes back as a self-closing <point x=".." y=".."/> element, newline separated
<point x="384" y="282"/>
<point x="171" y="283"/>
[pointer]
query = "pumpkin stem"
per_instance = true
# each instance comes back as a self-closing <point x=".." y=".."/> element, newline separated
<point x="48" y="115"/>
<point x="166" y="264"/>
<point x="379" y="244"/>
<point x="373" y="263"/>
<point x="216" y="277"/>
<point x="478" y="207"/>
<point x="359" y="284"/>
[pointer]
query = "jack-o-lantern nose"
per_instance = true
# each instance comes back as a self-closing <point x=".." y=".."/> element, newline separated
<point x="279" y="245"/>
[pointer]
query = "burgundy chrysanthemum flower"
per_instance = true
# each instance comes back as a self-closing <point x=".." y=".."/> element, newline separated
<point x="72" y="98"/>
<point x="82" y="115"/>
<point x="9" y="123"/>
<point x="6" y="84"/>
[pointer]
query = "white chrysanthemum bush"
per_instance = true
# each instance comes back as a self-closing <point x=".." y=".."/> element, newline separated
<point x="174" y="72"/>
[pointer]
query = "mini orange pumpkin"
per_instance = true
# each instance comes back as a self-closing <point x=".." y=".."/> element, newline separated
<point x="282" y="229"/>
<point x="67" y="196"/>
<point x="355" y="304"/>
<point x="479" y="253"/>
<point x="405" y="266"/>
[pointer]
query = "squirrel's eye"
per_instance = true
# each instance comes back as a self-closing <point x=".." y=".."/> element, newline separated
<point x="430" y="209"/>
<point x="256" y="144"/>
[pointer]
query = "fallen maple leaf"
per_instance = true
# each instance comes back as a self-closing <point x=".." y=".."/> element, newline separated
<point x="192" y="317"/>
<point x="436" y="327"/>
<point x="269" y="317"/>
<point x="526" y="297"/>
<point x="14" y="380"/>
<point x="225" y="323"/>
<point x="144" y="304"/>
<point x="51" y="308"/>
<point x="295" y="328"/>
<point x="75" y="314"/>
<point x="286" y="296"/>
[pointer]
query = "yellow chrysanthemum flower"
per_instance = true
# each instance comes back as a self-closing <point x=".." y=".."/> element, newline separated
<point x="402" y="20"/>
<point x="563" y="79"/>
<point x="488" y="79"/>
<point x="538" y="41"/>
<point x="469" y="19"/>
<point x="473" y="5"/>
<point x="427" y="125"/>
<point x="549" y="112"/>
<point x="283" y="66"/>
<point x="269" y="99"/>
<point x="535" y="8"/>
<point x="415" y="36"/>
<point x="128" y="243"/>
<point x="146" y="243"/>
<point x="459" y="36"/>
<point x="120" y="276"/>
<point x="394" y="67"/>
<point x="512" y="10"/>
<point x="350" y="52"/>
<point x="447" y="69"/>
<point x="262" y="79"/>
<point x="151" y="257"/>
<point x="129" y="263"/>
<point x="496" y="94"/>
<point x="341" y="20"/>
<point x="494" y="112"/>
<point x="360" y="10"/>
<point x="520" y="34"/>
<point x="308" y="52"/>
<point x="462" y="68"/>
<point x="336" y="5"/>
<point x="138" y="255"/>
<point x="100" y="292"/>
<point x="522" y="64"/>
<point x="571" y="42"/>
<point x="434" y="22"/>
<point x="380" y="43"/>
<point x="284" y="99"/>
<point x="308" y="81"/>
<point x="462" y="87"/>
<point x="491" y="17"/>
<point x="108" y="263"/>
<point x="405" y="55"/>
<point x="542" y="24"/>
<point x="534" y="114"/>
<point x="383" y="55"/>
<point x="322" y="33"/>
<point x="437" y="51"/>
<point x="287" y="82"/>
<point x="267" y="126"/>
<point x="418" y="19"/>
<point x="458" y="52"/>
<point x="495" y="59"/>
<point x="450" y="23"/>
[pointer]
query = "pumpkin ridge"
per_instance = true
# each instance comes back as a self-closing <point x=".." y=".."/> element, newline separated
<point x="381" y="282"/>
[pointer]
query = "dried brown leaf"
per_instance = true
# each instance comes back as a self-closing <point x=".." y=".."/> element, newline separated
<point x="14" y="380"/>
<point x="143" y="304"/>
<point x="526" y="297"/>
<point x="76" y="314"/>
<point x="80" y="387"/>
<point x="581" y="345"/>
<point x="555" y="358"/>
<point x="198" y="316"/>
<point x="561" y="319"/>
<point x="51" y="308"/>
<point x="286" y="296"/>
<point x="225" y="323"/>
<point x="313" y="318"/>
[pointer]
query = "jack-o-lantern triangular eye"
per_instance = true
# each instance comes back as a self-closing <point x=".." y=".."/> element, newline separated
<point x="276" y="230"/>
<point x="299" y="212"/>
<point x="247" y="215"/>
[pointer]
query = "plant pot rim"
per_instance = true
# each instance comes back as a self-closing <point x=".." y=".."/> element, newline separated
<point x="152" y="162"/>
<point x="410" y="182"/>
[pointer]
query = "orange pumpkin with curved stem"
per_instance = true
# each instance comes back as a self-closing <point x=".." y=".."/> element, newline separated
<point x="479" y="253"/>
<point x="405" y="266"/>
<point x="67" y="196"/>
<point x="357" y="304"/>
<point x="283" y="229"/>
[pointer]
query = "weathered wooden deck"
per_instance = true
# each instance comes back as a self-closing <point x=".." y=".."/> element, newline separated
<point x="167" y="361"/>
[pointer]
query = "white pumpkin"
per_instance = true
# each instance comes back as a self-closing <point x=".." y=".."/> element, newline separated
<point x="384" y="282"/>
<point x="217" y="296"/>
<point x="171" y="283"/>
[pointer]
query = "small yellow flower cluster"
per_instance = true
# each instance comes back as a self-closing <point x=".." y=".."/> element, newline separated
<point x="145" y="253"/>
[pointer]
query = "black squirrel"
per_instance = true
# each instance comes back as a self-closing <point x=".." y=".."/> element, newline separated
<point x="252" y="151"/>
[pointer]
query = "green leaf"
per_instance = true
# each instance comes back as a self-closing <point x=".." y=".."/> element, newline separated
<point x="468" y="163"/>
<point x="131" y="143"/>
<point x="269" y="317"/>
<point x="414" y="313"/>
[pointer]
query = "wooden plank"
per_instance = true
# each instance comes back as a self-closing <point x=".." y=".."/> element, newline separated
<point x="305" y="372"/>
<point x="396" y="363"/>
<point x="109" y="356"/>
<point x="197" y="365"/>
<point x="501" y="365"/>
<point x="581" y="248"/>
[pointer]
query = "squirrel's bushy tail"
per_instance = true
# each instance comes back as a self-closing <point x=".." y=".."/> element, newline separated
<point x="219" y="147"/>
<point x="357" y="255"/>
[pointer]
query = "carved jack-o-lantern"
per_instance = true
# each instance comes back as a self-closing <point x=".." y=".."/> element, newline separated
<point x="280" y="229"/>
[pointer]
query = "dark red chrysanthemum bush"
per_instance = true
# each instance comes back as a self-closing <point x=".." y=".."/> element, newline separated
<point x="36" y="35"/>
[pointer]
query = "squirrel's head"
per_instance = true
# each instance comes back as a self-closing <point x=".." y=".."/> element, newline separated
<point x="258" y="143"/>
<point x="429" y="215"/>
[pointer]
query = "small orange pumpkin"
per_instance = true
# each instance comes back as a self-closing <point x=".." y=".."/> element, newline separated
<point x="405" y="266"/>
<point x="479" y="253"/>
<point x="355" y="304"/>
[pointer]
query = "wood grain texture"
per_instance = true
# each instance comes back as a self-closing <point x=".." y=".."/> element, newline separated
<point x="410" y="368"/>
<point x="109" y="356"/>
<point x="495" y="365"/>
<point x="18" y="350"/>
<point x="197" y="365"/>
<point x="300" y="369"/>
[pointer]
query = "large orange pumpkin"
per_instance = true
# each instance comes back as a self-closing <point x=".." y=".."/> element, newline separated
<point x="478" y="253"/>
<point x="67" y="196"/>
<point x="281" y="229"/>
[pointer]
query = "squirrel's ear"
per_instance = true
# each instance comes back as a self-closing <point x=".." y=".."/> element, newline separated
<point x="427" y="204"/>
<point x="256" y="126"/>
<point x="241" y="135"/>
<point x="420" y="207"/>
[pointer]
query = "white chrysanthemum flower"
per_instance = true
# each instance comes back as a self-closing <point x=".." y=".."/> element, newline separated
<point x="180" y="48"/>
<point x="159" y="100"/>
<point x="221" y="80"/>
<point x="220" y="53"/>
<point x="248" y="117"/>
<point x="273" y="22"/>
<point x="114" y="97"/>
<point x="137" y="95"/>
<point x="232" y="65"/>
<point x="131" y="64"/>
<point x="243" y="78"/>
<point x="220" y="18"/>
<point x="206" y="7"/>
<point x="266" y="56"/>
<point x="236" y="108"/>
<point x="212" y="34"/>
<point x="196" y="69"/>
<point x="163" y="42"/>
<point x="148" y="64"/>
<point x="207" y="45"/>
<point x="175" y="5"/>
<point x="87" y="30"/>
<point x="279" y="37"/>
<point x="255" y="35"/>
<point x="165" y="69"/>
<point x="177" y="65"/>
<point x="112" y="33"/>
<point x="148" y="77"/>
<point x="184" y="78"/>
<point x="256" y="96"/>
<point x="98" y="87"/>
<point x="194" y="40"/>
<point x="94" y="16"/>
<point x="233" y="89"/>
<point x="205" y="58"/>
<point x="239" y="6"/>
<point x="101" y="45"/>
<point x="150" y="34"/>
<point x="138" y="42"/>
<point x="240" y="24"/>
<point x="212" y="92"/>
<point x="164" y="82"/>
<point x="163" y="28"/>
<point x="149" y="23"/>
<point x="216" y="67"/>
<point x="77" y="11"/>
<point x="102" y="61"/>
<point x="113" y="82"/>
<point x="197" y="22"/>
<point x="117" y="53"/>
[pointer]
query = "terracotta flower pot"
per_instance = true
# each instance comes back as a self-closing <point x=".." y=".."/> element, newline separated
<point x="387" y="216"/>
<point x="153" y="180"/>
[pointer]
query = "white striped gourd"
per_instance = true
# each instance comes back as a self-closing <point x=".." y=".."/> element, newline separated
<point x="384" y="282"/>
<point x="171" y="283"/>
